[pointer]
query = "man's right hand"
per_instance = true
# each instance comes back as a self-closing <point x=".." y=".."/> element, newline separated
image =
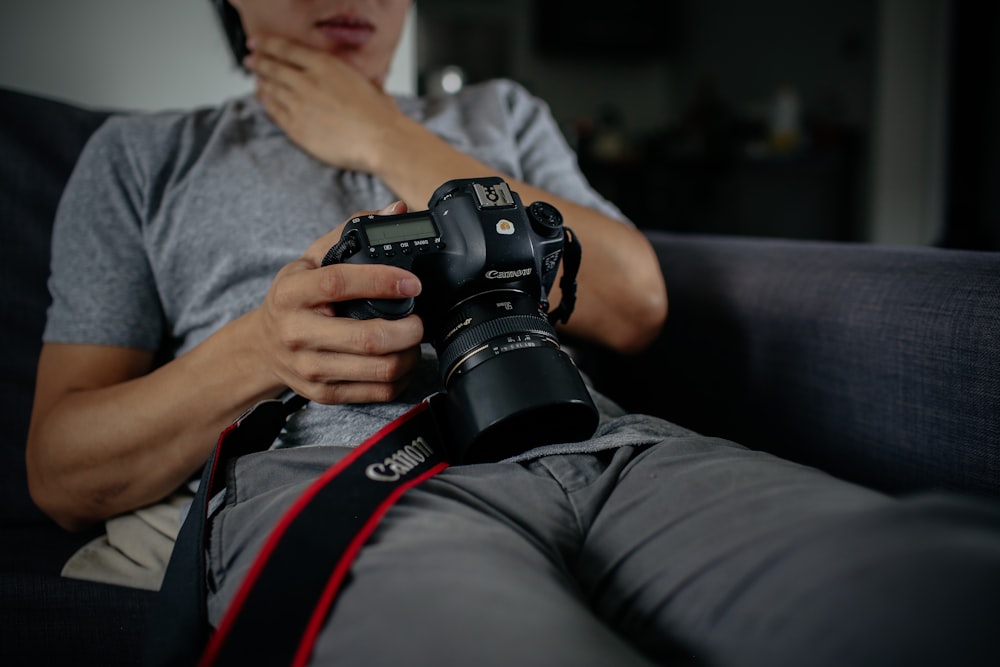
<point x="331" y="359"/>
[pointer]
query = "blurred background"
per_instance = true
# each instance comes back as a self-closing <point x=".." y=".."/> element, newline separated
<point x="855" y="120"/>
<point x="851" y="120"/>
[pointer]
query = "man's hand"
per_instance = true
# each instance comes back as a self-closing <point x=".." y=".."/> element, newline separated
<point x="321" y="102"/>
<point x="332" y="359"/>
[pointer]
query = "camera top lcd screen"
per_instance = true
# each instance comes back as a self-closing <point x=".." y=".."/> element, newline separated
<point x="406" y="229"/>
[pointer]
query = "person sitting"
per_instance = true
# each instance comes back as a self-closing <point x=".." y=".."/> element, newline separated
<point x="188" y="284"/>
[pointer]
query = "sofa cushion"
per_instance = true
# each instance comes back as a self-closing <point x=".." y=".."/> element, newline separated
<point x="40" y="140"/>
<point x="49" y="620"/>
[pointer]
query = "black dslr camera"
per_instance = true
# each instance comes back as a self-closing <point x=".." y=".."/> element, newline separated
<point x="487" y="264"/>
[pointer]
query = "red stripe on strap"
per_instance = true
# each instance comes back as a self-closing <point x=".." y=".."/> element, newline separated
<point x="229" y="619"/>
<point x="344" y="564"/>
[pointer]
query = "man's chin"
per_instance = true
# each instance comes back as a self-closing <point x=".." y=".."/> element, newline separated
<point x="360" y="64"/>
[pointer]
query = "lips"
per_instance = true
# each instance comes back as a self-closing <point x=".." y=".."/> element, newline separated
<point x="349" y="31"/>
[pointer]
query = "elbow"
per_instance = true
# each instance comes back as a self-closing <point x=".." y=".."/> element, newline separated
<point x="629" y="318"/>
<point x="50" y="497"/>
<point x="48" y="503"/>
<point x="71" y="524"/>
<point x="65" y="517"/>
<point x="641" y="316"/>
<point x="642" y="323"/>
<point x="633" y="324"/>
<point x="60" y="512"/>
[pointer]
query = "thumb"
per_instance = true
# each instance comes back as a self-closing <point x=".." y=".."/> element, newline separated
<point x="394" y="208"/>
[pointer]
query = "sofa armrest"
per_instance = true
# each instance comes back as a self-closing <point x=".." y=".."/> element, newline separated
<point x="879" y="364"/>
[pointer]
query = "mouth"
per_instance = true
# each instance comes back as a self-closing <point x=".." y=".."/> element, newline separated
<point x="346" y="31"/>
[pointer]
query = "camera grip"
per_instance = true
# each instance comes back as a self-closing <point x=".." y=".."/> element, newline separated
<point x="367" y="309"/>
<point x="364" y="309"/>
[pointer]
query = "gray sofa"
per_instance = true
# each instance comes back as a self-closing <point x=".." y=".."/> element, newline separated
<point x="879" y="364"/>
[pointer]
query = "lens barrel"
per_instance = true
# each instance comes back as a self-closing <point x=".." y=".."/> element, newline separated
<point x="510" y="404"/>
<point x="510" y="387"/>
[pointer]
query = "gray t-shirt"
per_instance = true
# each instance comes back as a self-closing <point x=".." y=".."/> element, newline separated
<point x="175" y="223"/>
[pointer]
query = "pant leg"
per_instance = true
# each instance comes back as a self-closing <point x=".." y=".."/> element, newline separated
<point x="468" y="568"/>
<point x="752" y="560"/>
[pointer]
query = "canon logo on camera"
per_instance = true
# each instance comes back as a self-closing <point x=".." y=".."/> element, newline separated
<point x="504" y="275"/>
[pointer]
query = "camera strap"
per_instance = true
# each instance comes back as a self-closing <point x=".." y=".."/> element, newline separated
<point x="572" y="255"/>
<point x="281" y="604"/>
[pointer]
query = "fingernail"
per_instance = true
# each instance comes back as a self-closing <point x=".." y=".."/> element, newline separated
<point x="251" y="43"/>
<point x="388" y="210"/>
<point x="409" y="287"/>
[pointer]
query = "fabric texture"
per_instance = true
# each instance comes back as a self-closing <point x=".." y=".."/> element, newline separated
<point x="135" y="547"/>
<point x="877" y="363"/>
<point x="689" y="551"/>
<point x="51" y="620"/>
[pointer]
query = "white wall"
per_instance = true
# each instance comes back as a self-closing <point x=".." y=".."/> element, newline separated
<point x="133" y="54"/>
<point x="910" y="123"/>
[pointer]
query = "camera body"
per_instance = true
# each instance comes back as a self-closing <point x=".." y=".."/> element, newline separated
<point x="487" y="264"/>
<point x="475" y="237"/>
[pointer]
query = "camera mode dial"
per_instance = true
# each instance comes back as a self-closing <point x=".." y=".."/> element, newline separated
<point x="546" y="219"/>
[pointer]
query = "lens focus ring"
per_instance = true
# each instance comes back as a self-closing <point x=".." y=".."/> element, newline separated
<point x="480" y="334"/>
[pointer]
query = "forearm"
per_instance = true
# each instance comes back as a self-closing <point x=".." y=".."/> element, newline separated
<point x="109" y="435"/>
<point x="622" y="299"/>
<point x="98" y="451"/>
<point x="334" y="114"/>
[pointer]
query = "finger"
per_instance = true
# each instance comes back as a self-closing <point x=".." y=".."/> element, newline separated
<point x="344" y="282"/>
<point x="354" y="392"/>
<point x="285" y="51"/>
<point x="275" y="72"/>
<point x="317" y="288"/>
<point x="298" y="66"/>
<point x="357" y="379"/>
<point x="320" y="367"/>
<point x="275" y="99"/>
<point x="279" y="91"/>
<point x="371" y="338"/>
<point x="306" y="283"/>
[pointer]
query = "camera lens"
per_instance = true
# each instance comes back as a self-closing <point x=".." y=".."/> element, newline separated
<point x="484" y="339"/>
<point x="509" y="384"/>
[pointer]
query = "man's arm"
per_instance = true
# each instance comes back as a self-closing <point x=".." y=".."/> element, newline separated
<point x="110" y="434"/>
<point x="332" y="112"/>
<point x="621" y="297"/>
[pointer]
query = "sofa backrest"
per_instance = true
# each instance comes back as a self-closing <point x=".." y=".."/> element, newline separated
<point x="40" y="140"/>
<point x="880" y="364"/>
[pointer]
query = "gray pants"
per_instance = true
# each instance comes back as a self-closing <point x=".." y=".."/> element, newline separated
<point x="690" y="551"/>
